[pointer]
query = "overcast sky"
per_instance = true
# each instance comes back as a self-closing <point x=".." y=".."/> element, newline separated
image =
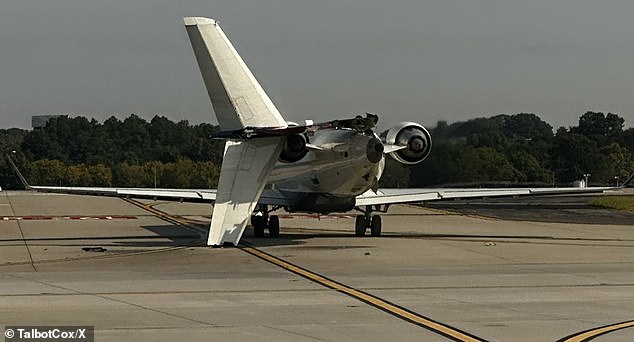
<point x="411" y="60"/>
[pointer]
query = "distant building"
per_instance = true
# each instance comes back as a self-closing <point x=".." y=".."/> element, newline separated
<point x="39" y="121"/>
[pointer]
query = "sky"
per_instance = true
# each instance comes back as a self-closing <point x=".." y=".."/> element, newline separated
<point x="406" y="60"/>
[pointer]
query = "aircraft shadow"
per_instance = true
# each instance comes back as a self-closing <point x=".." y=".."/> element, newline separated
<point x="164" y="236"/>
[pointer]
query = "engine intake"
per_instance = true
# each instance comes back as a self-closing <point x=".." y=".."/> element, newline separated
<point x="294" y="148"/>
<point x="416" y="139"/>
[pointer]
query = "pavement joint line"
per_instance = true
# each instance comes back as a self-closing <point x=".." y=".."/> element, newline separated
<point x="100" y="257"/>
<point x="458" y="213"/>
<point x="294" y="333"/>
<point x="379" y="303"/>
<point x="120" y="301"/>
<point x="162" y="215"/>
<point x="134" y="293"/>
<point x="26" y="245"/>
<point x="588" y="335"/>
<point x="372" y="300"/>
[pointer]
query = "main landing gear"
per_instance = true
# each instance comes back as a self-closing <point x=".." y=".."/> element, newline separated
<point x="367" y="220"/>
<point x="263" y="221"/>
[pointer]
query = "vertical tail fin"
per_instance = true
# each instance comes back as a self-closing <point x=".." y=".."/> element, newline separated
<point x="237" y="97"/>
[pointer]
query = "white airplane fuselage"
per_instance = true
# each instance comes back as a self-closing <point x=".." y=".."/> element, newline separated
<point x="329" y="177"/>
<point x="269" y="163"/>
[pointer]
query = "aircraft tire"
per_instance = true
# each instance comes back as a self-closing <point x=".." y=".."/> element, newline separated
<point x="375" y="226"/>
<point x="274" y="226"/>
<point x="258" y="226"/>
<point x="360" y="225"/>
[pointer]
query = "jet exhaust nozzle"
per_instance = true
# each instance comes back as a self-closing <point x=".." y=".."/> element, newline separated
<point x="294" y="148"/>
<point x="374" y="150"/>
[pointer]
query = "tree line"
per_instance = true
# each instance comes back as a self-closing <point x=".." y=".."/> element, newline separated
<point x="519" y="149"/>
<point x="129" y="153"/>
<point x="522" y="149"/>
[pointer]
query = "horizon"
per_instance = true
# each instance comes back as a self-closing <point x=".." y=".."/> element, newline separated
<point x="405" y="60"/>
<point x="381" y="124"/>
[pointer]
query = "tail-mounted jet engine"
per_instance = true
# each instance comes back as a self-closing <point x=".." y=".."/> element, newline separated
<point x="415" y="139"/>
<point x="294" y="148"/>
<point x="374" y="150"/>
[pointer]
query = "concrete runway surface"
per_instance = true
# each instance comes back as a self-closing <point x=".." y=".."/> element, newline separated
<point x="138" y="270"/>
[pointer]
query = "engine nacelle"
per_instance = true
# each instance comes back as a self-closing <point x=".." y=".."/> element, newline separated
<point x="294" y="148"/>
<point x="415" y="137"/>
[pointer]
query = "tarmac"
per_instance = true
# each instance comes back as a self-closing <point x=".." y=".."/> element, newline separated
<point x="139" y="270"/>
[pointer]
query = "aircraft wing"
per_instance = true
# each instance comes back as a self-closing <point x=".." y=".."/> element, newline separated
<point x="395" y="196"/>
<point x="183" y="195"/>
<point x="245" y="169"/>
<point x="188" y="195"/>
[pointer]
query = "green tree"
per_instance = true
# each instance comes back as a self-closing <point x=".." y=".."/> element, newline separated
<point x="529" y="167"/>
<point x="130" y="175"/>
<point x="179" y="174"/>
<point x="78" y="175"/>
<point x="527" y="126"/>
<point x="11" y="139"/>
<point x="47" y="172"/>
<point x="135" y="139"/>
<point x="604" y="129"/>
<point x="396" y="175"/>
<point x="574" y="155"/>
<point x="207" y="175"/>
<point x="485" y="164"/>
<point x="101" y="175"/>
<point x="616" y="162"/>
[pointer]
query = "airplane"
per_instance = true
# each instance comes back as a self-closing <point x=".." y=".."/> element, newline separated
<point x="271" y="164"/>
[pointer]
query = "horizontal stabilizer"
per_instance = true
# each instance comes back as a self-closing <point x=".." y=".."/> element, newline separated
<point x="259" y="132"/>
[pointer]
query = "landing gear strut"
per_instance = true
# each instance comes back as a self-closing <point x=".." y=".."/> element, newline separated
<point x="367" y="220"/>
<point x="263" y="221"/>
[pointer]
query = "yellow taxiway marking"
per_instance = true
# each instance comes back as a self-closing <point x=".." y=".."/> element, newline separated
<point x="382" y="304"/>
<point x="588" y="335"/>
<point x="173" y="219"/>
<point x="393" y="309"/>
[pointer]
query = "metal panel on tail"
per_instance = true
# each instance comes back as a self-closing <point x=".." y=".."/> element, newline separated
<point x="246" y="167"/>
<point x="237" y="97"/>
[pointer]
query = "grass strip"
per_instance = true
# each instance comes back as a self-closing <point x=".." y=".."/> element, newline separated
<point x="614" y="202"/>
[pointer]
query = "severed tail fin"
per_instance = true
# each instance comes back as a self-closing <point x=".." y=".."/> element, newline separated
<point x="238" y="99"/>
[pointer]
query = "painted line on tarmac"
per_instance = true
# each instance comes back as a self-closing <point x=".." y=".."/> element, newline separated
<point x="379" y="303"/>
<point x="173" y="219"/>
<point x="591" y="334"/>
<point x="60" y="218"/>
